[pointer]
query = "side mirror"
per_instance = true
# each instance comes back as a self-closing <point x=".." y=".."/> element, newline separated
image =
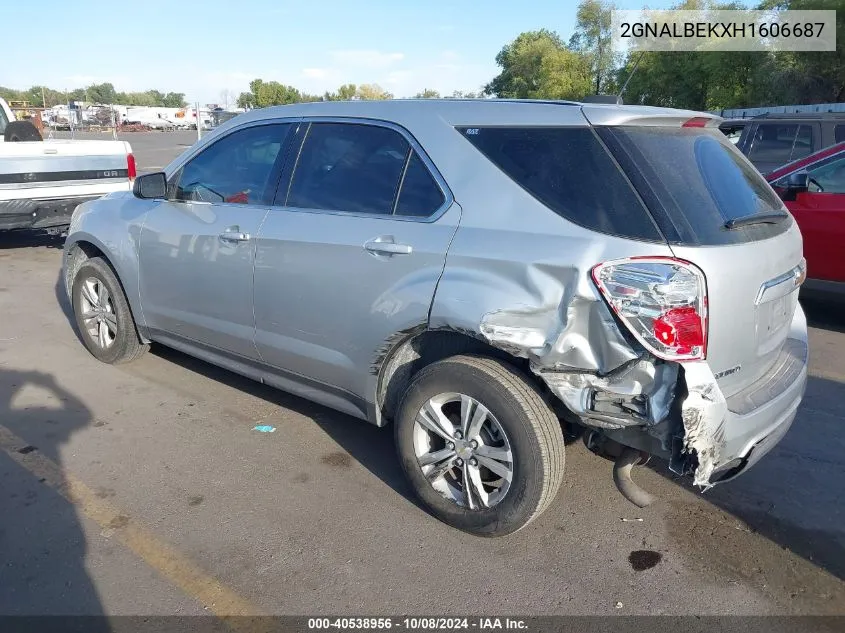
<point x="151" y="186"/>
<point x="797" y="181"/>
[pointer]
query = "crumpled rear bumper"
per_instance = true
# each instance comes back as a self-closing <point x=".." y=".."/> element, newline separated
<point x="730" y="435"/>
<point x="38" y="214"/>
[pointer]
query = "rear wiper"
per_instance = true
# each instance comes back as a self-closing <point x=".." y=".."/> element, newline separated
<point x="771" y="217"/>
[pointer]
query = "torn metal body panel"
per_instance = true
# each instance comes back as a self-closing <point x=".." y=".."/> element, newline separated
<point x="550" y="313"/>
<point x="704" y="413"/>
<point x="636" y="394"/>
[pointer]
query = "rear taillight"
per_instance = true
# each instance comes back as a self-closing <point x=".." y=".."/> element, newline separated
<point x="661" y="300"/>
<point x="130" y="166"/>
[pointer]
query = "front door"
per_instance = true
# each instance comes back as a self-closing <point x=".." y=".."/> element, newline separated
<point x="197" y="247"/>
<point x="352" y="256"/>
<point x="820" y="213"/>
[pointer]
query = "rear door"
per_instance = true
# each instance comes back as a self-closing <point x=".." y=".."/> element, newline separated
<point x="820" y="213"/>
<point x="717" y="212"/>
<point x="351" y="254"/>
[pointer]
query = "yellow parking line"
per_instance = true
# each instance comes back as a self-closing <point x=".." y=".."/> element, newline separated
<point x="177" y="568"/>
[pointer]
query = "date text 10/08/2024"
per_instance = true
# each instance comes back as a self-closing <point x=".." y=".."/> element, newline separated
<point x="418" y="624"/>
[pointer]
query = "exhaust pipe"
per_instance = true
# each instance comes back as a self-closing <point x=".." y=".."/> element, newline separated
<point x="629" y="458"/>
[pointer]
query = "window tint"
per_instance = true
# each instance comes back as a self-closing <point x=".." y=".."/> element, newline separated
<point x="829" y="178"/>
<point x="569" y="171"/>
<point x="839" y="133"/>
<point x="348" y="167"/>
<point x="781" y="143"/>
<point x="236" y="169"/>
<point x="420" y="196"/>
<point x="694" y="181"/>
<point x="3" y="121"/>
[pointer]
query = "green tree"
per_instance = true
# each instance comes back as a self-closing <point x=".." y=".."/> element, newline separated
<point x="537" y="65"/>
<point x="592" y="38"/>
<point x="428" y="93"/>
<point x="174" y="100"/>
<point x="460" y="94"/>
<point x="372" y="92"/>
<point x="812" y="77"/>
<point x="273" y="93"/>
<point x="246" y="100"/>
<point x="344" y="93"/>
<point x="101" y="93"/>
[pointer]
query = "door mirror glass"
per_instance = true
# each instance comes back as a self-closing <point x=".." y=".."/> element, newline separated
<point x="151" y="186"/>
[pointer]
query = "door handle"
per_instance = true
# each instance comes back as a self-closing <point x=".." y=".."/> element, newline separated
<point x="234" y="234"/>
<point x="384" y="245"/>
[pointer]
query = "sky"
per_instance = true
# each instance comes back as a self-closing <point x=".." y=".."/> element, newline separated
<point x="205" y="48"/>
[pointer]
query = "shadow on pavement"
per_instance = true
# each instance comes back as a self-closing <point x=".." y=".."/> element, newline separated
<point x="29" y="239"/>
<point x="793" y="496"/>
<point x="371" y="446"/>
<point x="44" y="547"/>
<point x="824" y="311"/>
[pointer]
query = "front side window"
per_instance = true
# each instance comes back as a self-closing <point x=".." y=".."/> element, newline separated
<point x="236" y="169"/>
<point x="829" y="178"/>
<point x="349" y="167"/>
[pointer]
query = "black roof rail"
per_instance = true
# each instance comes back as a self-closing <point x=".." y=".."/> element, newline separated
<point x="801" y="115"/>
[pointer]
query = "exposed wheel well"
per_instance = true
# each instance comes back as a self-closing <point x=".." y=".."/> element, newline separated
<point x="420" y="349"/>
<point x="79" y="253"/>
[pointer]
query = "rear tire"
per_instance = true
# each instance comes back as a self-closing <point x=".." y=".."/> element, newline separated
<point x="517" y="423"/>
<point x="102" y="313"/>
<point x="21" y="131"/>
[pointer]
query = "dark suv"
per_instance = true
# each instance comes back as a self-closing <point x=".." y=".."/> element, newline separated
<point x="772" y="140"/>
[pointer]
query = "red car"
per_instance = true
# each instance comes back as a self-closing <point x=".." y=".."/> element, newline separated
<point x="813" y="189"/>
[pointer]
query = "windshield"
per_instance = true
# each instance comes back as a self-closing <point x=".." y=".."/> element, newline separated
<point x="694" y="182"/>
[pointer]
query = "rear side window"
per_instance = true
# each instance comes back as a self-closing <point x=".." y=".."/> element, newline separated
<point x="3" y="121"/>
<point x="694" y="181"/>
<point x="569" y="171"/>
<point x="420" y="196"/>
<point x="781" y="142"/>
<point x="839" y="133"/>
<point x="349" y="167"/>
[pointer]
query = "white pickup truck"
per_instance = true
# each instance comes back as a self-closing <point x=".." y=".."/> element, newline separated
<point x="42" y="182"/>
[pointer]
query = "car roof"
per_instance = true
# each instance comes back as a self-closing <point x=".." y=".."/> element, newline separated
<point x="458" y="112"/>
<point x="801" y="115"/>
<point x="807" y="160"/>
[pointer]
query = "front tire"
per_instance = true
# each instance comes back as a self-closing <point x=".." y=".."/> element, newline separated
<point x="102" y="313"/>
<point x="481" y="448"/>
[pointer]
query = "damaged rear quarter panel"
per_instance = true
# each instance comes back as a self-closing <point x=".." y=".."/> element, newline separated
<point x="530" y="294"/>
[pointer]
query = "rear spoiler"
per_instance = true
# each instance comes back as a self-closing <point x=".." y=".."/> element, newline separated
<point x="607" y="114"/>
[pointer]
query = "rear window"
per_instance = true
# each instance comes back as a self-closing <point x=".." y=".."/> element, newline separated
<point x="781" y="143"/>
<point x="693" y="181"/>
<point x="569" y="171"/>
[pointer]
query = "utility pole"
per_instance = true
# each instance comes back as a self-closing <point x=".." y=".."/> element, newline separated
<point x="199" y="122"/>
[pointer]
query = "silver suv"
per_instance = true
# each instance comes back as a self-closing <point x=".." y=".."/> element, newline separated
<point x="486" y="275"/>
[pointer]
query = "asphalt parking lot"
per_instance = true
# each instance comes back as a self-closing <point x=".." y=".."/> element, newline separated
<point x="143" y="489"/>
